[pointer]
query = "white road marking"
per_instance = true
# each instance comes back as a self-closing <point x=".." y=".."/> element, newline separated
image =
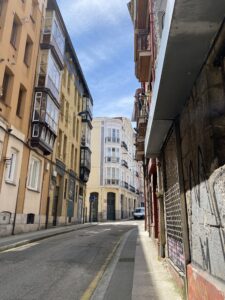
<point x="21" y="248"/>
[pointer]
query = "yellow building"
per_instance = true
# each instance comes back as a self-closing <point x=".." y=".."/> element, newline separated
<point x="115" y="187"/>
<point x="68" y="183"/>
<point x="20" y="27"/>
<point x="45" y="158"/>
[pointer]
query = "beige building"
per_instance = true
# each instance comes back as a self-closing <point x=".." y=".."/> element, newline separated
<point x="68" y="186"/>
<point x="115" y="185"/>
<point x="20" y="27"/>
<point x="43" y="111"/>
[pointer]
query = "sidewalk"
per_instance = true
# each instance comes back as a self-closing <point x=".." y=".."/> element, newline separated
<point x="151" y="278"/>
<point x="13" y="241"/>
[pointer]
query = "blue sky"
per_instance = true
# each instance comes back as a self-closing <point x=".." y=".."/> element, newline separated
<point x="102" y="34"/>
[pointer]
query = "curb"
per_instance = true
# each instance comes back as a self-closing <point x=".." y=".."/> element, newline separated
<point x="35" y="239"/>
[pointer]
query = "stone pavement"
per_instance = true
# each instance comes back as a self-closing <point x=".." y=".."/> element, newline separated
<point x="151" y="278"/>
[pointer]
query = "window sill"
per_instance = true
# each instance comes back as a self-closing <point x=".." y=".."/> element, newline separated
<point x="10" y="182"/>
<point x="33" y="190"/>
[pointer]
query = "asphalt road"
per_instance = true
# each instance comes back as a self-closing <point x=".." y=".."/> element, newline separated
<point x="60" y="267"/>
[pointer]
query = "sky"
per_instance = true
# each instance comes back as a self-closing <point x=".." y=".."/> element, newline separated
<point x="102" y="35"/>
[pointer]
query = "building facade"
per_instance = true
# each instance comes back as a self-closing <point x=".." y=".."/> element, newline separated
<point x="21" y="24"/>
<point x="115" y="186"/>
<point x="183" y="146"/>
<point x="43" y="91"/>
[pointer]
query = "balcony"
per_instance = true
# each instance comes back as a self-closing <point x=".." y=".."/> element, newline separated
<point x="142" y="121"/>
<point x="112" y="159"/>
<point x="112" y="181"/>
<point x="85" y="163"/>
<point x="87" y="109"/>
<point x="140" y="149"/>
<point x="142" y="11"/>
<point x="132" y="189"/>
<point x="125" y="185"/>
<point x="49" y="76"/>
<point x="124" y="145"/>
<point x="53" y="38"/>
<point x="182" y="53"/>
<point x="137" y="192"/>
<point x="112" y="140"/>
<point x="143" y="61"/>
<point x="124" y="163"/>
<point x="85" y="135"/>
<point x="44" y="123"/>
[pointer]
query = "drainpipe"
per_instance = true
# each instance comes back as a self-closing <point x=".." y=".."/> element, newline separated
<point x="152" y="41"/>
<point x="145" y="202"/>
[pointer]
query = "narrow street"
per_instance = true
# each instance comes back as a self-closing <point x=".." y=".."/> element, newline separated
<point x="60" y="267"/>
<point x="103" y="261"/>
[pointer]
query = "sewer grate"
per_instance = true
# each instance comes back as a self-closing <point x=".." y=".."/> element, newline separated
<point x="126" y="259"/>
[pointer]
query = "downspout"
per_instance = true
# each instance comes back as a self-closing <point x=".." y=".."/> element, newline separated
<point x="152" y="41"/>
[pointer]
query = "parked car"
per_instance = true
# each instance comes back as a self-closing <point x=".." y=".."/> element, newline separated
<point x="139" y="213"/>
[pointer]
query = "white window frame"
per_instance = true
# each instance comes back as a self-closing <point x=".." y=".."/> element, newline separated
<point x="33" y="181"/>
<point x="11" y="166"/>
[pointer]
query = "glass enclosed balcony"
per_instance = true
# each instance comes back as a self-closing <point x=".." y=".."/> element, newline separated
<point x="86" y="135"/>
<point x="53" y="37"/>
<point x="49" y="76"/>
<point x="44" y="122"/>
<point x="87" y="110"/>
<point x="85" y="163"/>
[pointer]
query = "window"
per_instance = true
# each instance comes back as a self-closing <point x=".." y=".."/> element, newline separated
<point x="35" y="132"/>
<point x="76" y="159"/>
<point x="62" y="107"/>
<point x="112" y="176"/>
<point x="33" y="12"/>
<point x="1" y="7"/>
<point x="54" y="72"/>
<point x="74" y="125"/>
<point x="59" y="143"/>
<point x="21" y="102"/>
<point x="77" y="130"/>
<point x="64" y="148"/>
<point x="58" y="37"/>
<point x="72" y="157"/>
<point x="11" y="166"/>
<point x="34" y="174"/>
<point x="28" y="51"/>
<point x="30" y="218"/>
<point x="67" y="113"/>
<point x="68" y="82"/>
<point x="52" y="114"/>
<point x="6" y="86"/>
<point x="15" y="32"/>
<point x="65" y="189"/>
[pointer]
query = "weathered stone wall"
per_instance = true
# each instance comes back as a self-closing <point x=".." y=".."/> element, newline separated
<point x="202" y="126"/>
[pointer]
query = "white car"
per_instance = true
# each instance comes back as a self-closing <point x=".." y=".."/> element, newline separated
<point x="139" y="213"/>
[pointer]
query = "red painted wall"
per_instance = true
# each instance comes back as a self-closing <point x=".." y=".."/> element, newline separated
<point x="199" y="288"/>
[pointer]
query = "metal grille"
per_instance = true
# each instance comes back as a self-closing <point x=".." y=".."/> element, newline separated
<point x="174" y="226"/>
<point x="173" y="204"/>
<point x="173" y="212"/>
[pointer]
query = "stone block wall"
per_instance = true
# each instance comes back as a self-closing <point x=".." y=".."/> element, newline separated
<point x="202" y="127"/>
